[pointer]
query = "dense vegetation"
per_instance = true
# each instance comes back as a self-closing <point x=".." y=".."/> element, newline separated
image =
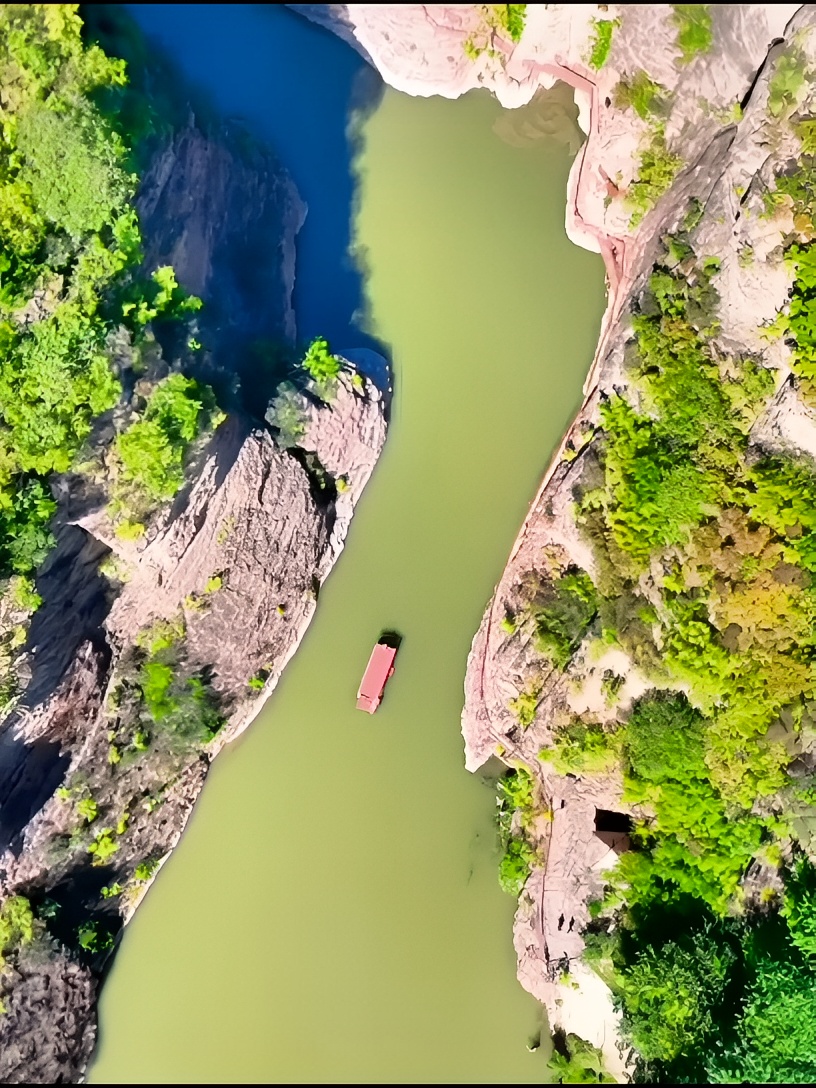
<point x="70" y="250"/>
<point x="694" y="30"/>
<point x="600" y="43"/>
<point x="705" y="552"/>
<point x="506" y="20"/>
<point x="160" y="702"/>
<point x="515" y="802"/>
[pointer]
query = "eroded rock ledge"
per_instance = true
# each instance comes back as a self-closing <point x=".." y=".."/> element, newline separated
<point x="232" y="569"/>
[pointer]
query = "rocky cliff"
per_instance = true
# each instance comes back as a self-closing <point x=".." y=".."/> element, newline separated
<point x="718" y="123"/>
<point x="148" y="655"/>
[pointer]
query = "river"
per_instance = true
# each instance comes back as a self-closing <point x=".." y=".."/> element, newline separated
<point x="333" y="913"/>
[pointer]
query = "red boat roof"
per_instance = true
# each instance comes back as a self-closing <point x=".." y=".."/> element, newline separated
<point x="377" y="672"/>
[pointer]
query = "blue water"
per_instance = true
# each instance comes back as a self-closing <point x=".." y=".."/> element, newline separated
<point x="298" y="107"/>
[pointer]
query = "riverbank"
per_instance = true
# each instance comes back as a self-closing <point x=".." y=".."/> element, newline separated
<point x="405" y="966"/>
<point x="423" y="53"/>
<point x="136" y="675"/>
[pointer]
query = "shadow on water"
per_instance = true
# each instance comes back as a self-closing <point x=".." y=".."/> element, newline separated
<point x="303" y="112"/>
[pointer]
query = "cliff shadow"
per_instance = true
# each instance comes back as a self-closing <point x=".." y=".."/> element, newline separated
<point x="296" y="90"/>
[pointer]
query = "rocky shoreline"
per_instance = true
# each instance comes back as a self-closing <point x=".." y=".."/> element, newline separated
<point x="225" y="581"/>
<point x="719" y="125"/>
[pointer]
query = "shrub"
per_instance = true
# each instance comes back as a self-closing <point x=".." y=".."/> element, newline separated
<point x="600" y="44"/>
<point x="88" y="809"/>
<point x="287" y="414"/>
<point x="642" y="94"/>
<point x="582" y="1064"/>
<point x="515" y="791"/>
<point x="776" y="1033"/>
<point x="511" y="18"/>
<point x="94" y="937"/>
<point x="562" y="614"/>
<point x="657" y="169"/>
<point x="583" y="748"/>
<point x="67" y="229"/>
<point x="799" y="906"/>
<point x="151" y="451"/>
<point x="694" y="30"/>
<point x="671" y="993"/>
<point x="665" y="739"/>
<point x="23" y="595"/>
<point x="71" y="165"/>
<point x="146" y="869"/>
<point x="319" y="363"/>
<point x="182" y="705"/>
<point x="524" y="706"/>
<point x="515" y="865"/>
<point x="788" y="79"/>
<point x="104" y="846"/>
<point x="16" y="925"/>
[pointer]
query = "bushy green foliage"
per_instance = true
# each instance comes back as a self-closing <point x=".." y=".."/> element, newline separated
<point x="511" y="18"/>
<point x="583" y="1064"/>
<point x="146" y="869"/>
<point x="642" y="94"/>
<point x="707" y="1001"/>
<point x="160" y="296"/>
<point x="562" y="613"/>
<point x="319" y="363"/>
<point x="651" y="499"/>
<point x="600" y="44"/>
<point x="776" y="1033"/>
<point x="657" y="169"/>
<point x="732" y="621"/>
<point x="801" y="320"/>
<point x="515" y="794"/>
<point x="671" y="993"/>
<point x="88" y="809"/>
<point x="23" y="595"/>
<point x="515" y="865"/>
<point x="665" y="739"/>
<point x="287" y="414"/>
<point x="787" y="81"/>
<point x="524" y="705"/>
<point x="94" y="937"/>
<point x="16" y="925"/>
<point x="506" y="19"/>
<point x="180" y="706"/>
<point x="157" y="679"/>
<point x="104" y="846"/>
<point x="152" y="450"/>
<point x="799" y="907"/>
<point x="694" y="30"/>
<point x="71" y="166"/>
<point x="583" y="748"/>
<point x="69" y="247"/>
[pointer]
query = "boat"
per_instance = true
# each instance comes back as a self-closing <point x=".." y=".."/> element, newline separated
<point x="380" y="667"/>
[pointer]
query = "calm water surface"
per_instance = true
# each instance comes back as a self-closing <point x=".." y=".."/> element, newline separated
<point x="333" y="913"/>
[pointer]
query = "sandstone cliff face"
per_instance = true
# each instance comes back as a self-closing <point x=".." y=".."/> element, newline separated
<point x="729" y="157"/>
<point x="229" y="571"/>
<point x="222" y="207"/>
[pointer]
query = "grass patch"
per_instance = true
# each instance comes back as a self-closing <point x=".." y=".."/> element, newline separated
<point x="600" y="42"/>
<point x="695" y="34"/>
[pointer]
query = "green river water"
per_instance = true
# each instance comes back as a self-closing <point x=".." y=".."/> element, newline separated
<point x="333" y="912"/>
